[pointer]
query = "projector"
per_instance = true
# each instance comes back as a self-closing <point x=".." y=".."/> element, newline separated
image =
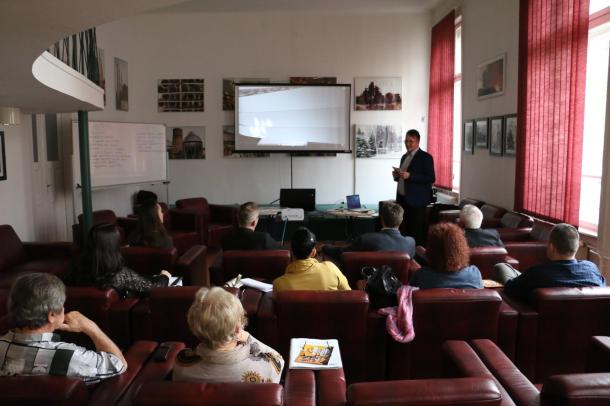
<point x="291" y="214"/>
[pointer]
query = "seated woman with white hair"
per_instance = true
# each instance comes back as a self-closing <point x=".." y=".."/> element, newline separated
<point x="226" y="352"/>
<point x="471" y="218"/>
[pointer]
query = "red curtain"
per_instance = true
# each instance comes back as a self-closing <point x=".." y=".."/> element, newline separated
<point x="552" y="65"/>
<point x="440" y="107"/>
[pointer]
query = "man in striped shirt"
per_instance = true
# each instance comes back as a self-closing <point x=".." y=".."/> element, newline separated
<point x="36" y="310"/>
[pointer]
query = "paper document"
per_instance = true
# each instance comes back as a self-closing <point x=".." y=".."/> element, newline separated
<point x="175" y="281"/>
<point x="310" y="353"/>
<point x="253" y="283"/>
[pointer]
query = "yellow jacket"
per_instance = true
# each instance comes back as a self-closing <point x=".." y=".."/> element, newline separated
<point x="309" y="274"/>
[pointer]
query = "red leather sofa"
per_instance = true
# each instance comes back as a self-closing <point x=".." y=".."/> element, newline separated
<point x="482" y="358"/>
<point x="400" y="262"/>
<point x="511" y="220"/>
<point x="266" y="265"/>
<point x="17" y="257"/>
<point x="162" y="315"/>
<point x="450" y="314"/>
<point x="555" y="327"/>
<point x="150" y="261"/>
<point x="527" y="245"/>
<point x="343" y="315"/>
<point x="213" y="221"/>
<point x="56" y="390"/>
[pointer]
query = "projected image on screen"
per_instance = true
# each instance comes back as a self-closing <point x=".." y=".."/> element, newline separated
<point x="292" y="118"/>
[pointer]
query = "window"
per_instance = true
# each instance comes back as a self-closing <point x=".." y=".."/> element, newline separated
<point x="595" y="115"/>
<point x="457" y="108"/>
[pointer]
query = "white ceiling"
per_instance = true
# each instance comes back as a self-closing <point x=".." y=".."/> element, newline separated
<point x="353" y="6"/>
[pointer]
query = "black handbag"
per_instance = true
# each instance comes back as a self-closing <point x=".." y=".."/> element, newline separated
<point x="381" y="285"/>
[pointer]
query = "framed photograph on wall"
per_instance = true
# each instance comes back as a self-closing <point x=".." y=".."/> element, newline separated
<point x="378" y="93"/>
<point x="496" y="127"/>
<point x="2" y="157"/>
<point x="510" y="135"/>
<point x="491" y="77"/>
<point x="469" y="136"/>
<point x="481" y="133"/>
<point x="121" y="85"/>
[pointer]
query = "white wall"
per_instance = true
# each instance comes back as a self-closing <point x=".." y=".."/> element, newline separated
<point x="16" y="192"/>
<point x="265" y="45"/>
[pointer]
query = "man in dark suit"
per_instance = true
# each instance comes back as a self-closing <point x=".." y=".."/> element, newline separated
<point x="388" y="239"/>
<point x="415" y="177"/>
<point x="471" y="218"/>
<point x="245" y="238"/>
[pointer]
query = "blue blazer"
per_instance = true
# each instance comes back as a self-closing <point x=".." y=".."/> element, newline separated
<point x="418" y="188"/>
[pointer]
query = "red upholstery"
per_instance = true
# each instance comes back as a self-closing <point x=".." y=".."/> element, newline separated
<point x="99" y="217"/>
<point x="300" y="388"/>
<point x="527" y="245"/>
<point x="447" y="314"/>
<point x="103" y="307"/>
<point x="17" y="257"/>
<point x="599" y="354"/>
<point x="559" y="321"/>
<point x="212" y="221"/>
<point x="150" y="261"/>
<point x="195" y="393"/>
<point x="162" y="315"/>
<point x="400" y="262"/>
<point x="486" y="257"/>
<point x="267" y="265"/>
<point x="322" y="314"/>
<point x="453" y="215"/>
<point x="56" y="390"/>
<point x="481" y="358"/>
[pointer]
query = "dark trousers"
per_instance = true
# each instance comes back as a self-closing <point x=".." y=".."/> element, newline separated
<point x="414" y="223"/>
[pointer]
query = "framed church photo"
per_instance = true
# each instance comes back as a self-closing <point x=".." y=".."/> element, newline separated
<point x="510" y="135"/>
<point x="481" y="133"/>
<point x="469" y="136"/>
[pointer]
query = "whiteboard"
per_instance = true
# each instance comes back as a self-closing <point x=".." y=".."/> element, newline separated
<point x="124" y="153"/>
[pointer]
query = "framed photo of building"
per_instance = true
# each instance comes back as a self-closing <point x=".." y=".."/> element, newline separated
<point x="468" y="136"/>
<point x="2" y="157"/>
<point x="510" y="135"/>
<point x="496" y="127"/>
<point x="481" y="133"/>
<point x="185" y="142"/>
<point x="491" y="76"/>
<point x="180" y="95"/>
<point x="121" y="85"/>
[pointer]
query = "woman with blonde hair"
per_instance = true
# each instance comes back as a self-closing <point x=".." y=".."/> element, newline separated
<point x="449" y="261"/>
<point x="226" y="353"/>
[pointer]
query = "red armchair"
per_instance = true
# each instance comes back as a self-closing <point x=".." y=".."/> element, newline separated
<point x="481" y="358"/>
<point x="99" y="217"/>
<point x="526" y="245"/>
<point x="213" y="221"/>
<point x="17" y="257"/>
<point x="266" y="265"/>
<point x="448" y="314"/>
<point x="399" y="261"/>
<point x="555" y="327"/>
<point x="150" y="261"/>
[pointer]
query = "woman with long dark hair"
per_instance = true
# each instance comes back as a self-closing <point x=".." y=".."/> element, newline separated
<point x="150" y="231"/>
<point x="449" y="258"/>
<point x="101" y="265"/>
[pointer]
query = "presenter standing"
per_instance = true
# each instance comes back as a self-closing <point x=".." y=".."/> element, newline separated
<point x="415" y="177"/>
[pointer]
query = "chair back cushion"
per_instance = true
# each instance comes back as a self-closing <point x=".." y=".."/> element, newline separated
<point x="567" y="319"/>
<point x="100" y="216"/>
<point x="149" y="260"/>
<point x="267" y="265"/>
<point x="440" y="315"/>
<point x="43" y="390"/>
<point x="322" y="314"/>
<point x="193" y="203"/>
<point x="576" y="390"/>
<point x="486" y="257"/>
<point x="492" y="212"/>
<point x="541" y="230"/>
<point x="95" y="304"/>
<point x="12" y="252"/>
<point x="353" y="262"/>
<point x="516" y="220"/>
<point x="196" y="393"/>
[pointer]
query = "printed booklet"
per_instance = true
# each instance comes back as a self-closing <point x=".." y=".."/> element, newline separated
<point x="310" y="353"/>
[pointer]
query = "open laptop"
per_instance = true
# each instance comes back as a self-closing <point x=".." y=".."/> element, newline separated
<point x="353" y="203"/>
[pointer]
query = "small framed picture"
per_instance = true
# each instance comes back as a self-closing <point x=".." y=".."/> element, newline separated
<point x="496" y="126"/>
<point x="491" y="77"/>
<point x="481" y="131"/>
<point x="510" y="135"/>
<point x="469" y="136"/>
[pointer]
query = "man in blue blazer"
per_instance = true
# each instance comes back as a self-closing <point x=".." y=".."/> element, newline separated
<point x="388" y="239"/>
<point x="415" y="178"/>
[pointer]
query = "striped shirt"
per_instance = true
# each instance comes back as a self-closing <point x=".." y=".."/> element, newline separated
<point x="44" y="354"/>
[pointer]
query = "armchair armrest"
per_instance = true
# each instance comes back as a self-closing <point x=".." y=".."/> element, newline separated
<point x="576" y="389"/>
<point x="331" y="387"/>
<point x="250" y="300"/>
<point x="527" y="335"/>
<point x="112" y="390"/>
<point x="192" y="266"/>
<point x="267" y="321"/>
<point x="514" y="234"/>
<point x="118" y="319"/>
<point x="599" y="354"/>
<point x="300" y="388"/>
<point x="56" y="250"/>
<point x="223" y="214"/>
<point x="507" y="330"/>
<point x="459" y="391"/>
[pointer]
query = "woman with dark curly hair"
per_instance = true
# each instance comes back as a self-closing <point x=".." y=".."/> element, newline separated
<point x="449" y="258"/>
